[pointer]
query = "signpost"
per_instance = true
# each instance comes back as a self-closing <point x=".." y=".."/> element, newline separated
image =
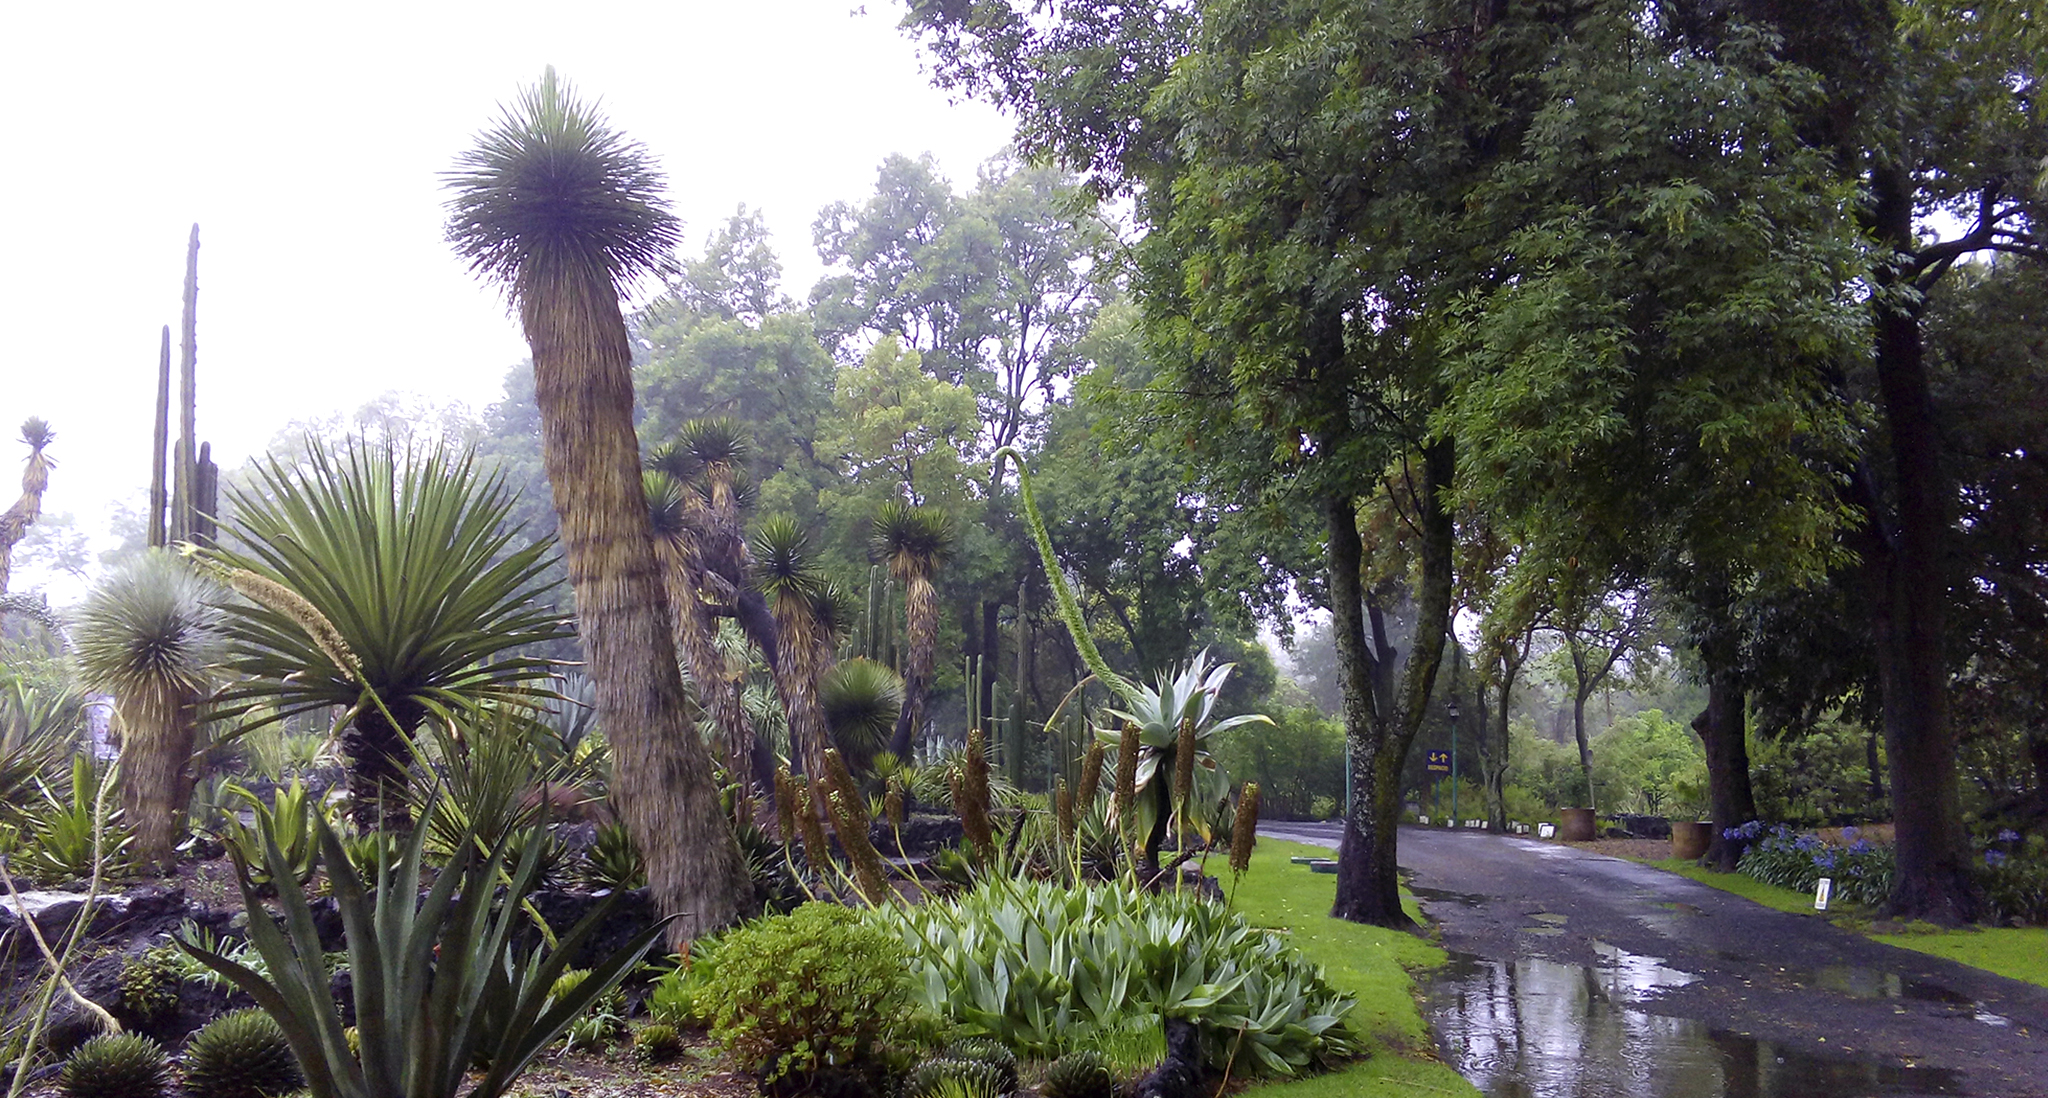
<point x="1438" y="762"/>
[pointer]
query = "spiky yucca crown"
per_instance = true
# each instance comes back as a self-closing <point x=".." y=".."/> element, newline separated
<point x="241" y="1055"/>
<point x="121" y="1065"/>
<point x="1079" y="1075"/>
<point x="947" y="1077"/>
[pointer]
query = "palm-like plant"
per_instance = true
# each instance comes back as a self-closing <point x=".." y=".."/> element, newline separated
<point x="861" y="700"/>
<point x="1174" y="718"/>
<point x="801" y="601"/>
<point x="411" y="558"/>
<point x="913" y="541"/>
<point x="151" y="634"/>
<point x="560" y="210"/>
<point x="694" y="496"/>
<point x="35" y="480"/>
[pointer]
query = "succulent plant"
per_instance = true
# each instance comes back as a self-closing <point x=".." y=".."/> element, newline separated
<point x="120" y="1065"/>
<point x="657" y="1043"/>
<point x="243" y="1054"/>
<point x="946" y="1077"/>
<point x="994" y="1053"/>
<point x="149" y="987"/>
<point x="1083" y="1074"/>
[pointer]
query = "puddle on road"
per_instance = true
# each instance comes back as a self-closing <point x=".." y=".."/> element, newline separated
<point x="1534" y="1028"/>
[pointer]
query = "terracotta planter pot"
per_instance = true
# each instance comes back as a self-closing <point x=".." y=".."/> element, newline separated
<point x="1689" y="839"/>
<point x="1577" y="825"/>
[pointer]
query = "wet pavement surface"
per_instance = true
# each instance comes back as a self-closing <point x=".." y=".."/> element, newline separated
<point x="1578" y="975"/>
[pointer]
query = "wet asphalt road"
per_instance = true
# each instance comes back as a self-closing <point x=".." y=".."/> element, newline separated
<point x="1577" y="975"/>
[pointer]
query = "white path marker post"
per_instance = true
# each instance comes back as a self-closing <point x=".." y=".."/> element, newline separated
<point x="1822" y="893"/>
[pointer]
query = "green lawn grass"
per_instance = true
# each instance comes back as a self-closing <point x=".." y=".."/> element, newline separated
<point x="1370" y="963"/>
<point x="2018" y="952"/>
<point x="1743" y="885"/>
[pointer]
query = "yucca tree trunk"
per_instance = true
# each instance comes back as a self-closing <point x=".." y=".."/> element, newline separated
<point x="378" y="783"/>
<point x="14" y="524"/>
<point x="662" y="779"/>
<point x="921" y="621"/>
<point x="695" y="630"/>
<point x="796" y="672"/>
<point x="158" y="728"/>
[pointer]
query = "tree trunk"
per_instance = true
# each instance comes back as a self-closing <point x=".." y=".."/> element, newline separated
<point x="1933" y="880"/>
<point x="1724" y="728"/>
<point x="158" y="731"/>
<point x="1380" y="722"/>
<point x="378" y="762"/>
<point x="1585" y="748"/>
<point x="662" y="779"/>
<point x="1495" y="737"/>
<point x="921" y="624"/>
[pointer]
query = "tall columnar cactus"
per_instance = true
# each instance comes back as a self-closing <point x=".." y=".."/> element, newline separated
<point x="35" y="480"/>
<point x="160" y="441"/>
<point x="185" y="469"/>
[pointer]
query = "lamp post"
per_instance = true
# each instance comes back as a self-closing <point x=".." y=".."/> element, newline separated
<point x="1453" y="708"/>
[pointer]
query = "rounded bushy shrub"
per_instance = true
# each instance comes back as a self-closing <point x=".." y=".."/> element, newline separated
<point x="241" y="1055"/>
<point x="120" y="1065"/>
<point x="807" y="992"/>
<point x="1083" y="1074"/>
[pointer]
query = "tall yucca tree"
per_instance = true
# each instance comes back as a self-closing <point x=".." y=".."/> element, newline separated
<point x="801" y="600"/>
<point x="411" y="556"/>
<point x="561" y="211"/>
<point x="913" y="542"/>
<point x="35" y="480"/>
<point x="680" y="517"/>
<point x="151" y="634"/>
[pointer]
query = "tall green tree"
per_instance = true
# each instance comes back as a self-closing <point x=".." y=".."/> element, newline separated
<point x="562" y="211"/>
<point x="1930" y="107"/>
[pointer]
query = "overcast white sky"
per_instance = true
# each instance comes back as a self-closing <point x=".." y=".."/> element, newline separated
<point x="307" y="142"/>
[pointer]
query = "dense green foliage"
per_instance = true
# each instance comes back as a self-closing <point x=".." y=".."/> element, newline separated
<point x="420" y="1026"/>
<point x="809" y="993"/>
<point x="1047" y="969"/>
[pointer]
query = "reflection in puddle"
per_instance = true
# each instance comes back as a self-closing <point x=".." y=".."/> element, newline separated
<point x="1534" y="1029"/>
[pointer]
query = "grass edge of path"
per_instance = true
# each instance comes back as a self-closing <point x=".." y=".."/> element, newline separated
<point x="2019" y="953"/>
<point x="1374" y="965"/>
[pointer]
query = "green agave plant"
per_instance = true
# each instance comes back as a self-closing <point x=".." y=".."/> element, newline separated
<point x="438" y="982"/>
<point x="1047" y="969"/>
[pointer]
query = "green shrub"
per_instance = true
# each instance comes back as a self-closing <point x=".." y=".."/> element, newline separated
<point x="797" y="994"/>
<point x="1081" y="1074"/>
<point x="657" y="1044"/>
<point x="677" y="995"/>
<point x="121" y="1065"/>
<point x="1048" y="969"/>
<point x="148" y="985"/>
<point x="242" y="1054"/>
<point x="2015" y="877"/>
